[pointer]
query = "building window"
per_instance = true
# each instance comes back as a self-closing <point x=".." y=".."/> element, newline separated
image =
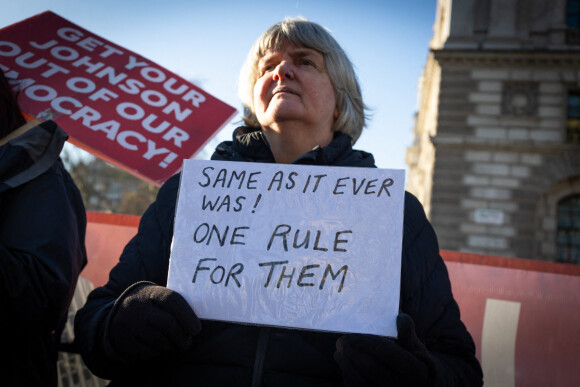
<point x="573" y="119"/>
<point x="573" y="22"/>
<point x="568" y="235"/>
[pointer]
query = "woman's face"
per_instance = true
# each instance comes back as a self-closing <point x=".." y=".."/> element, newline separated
<point x="293" y="86"/>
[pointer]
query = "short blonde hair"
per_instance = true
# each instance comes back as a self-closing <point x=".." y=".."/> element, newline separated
<point x="301" y="32"/>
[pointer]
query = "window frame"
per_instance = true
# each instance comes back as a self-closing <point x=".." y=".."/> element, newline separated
<point x="568" y="229"/>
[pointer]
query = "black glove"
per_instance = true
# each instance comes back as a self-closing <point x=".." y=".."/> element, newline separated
<point x="149" y="321"/>
<point x="367" y="360"/>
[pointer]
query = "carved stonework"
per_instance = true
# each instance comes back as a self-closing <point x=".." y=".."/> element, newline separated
<point x="520" y="99"/>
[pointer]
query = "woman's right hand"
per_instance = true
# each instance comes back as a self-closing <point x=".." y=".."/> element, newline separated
<point x="149" y="321"/>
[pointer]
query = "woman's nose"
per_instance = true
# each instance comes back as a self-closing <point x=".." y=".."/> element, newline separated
<point x="284" y="70"/>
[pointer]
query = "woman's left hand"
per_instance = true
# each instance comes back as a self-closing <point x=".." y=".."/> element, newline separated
<point x="367" y="360"/>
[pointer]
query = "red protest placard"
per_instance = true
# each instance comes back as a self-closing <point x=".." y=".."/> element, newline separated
<point x="111" y="101"/>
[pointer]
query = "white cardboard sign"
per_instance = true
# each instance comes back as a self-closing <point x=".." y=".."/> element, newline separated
<point x="288" y="245"/>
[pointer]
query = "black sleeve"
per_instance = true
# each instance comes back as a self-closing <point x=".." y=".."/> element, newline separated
<point x="427" y="297"/>
<point x="145" y="258"/>
<point x="42" y="251"/>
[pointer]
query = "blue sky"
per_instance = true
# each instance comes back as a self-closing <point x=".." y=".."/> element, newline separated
<point x="206" y="42"/>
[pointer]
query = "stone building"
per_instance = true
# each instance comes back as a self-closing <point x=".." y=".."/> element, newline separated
<point x="496" y="152"/>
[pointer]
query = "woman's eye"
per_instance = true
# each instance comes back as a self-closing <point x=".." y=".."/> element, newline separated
<point x="262" y="71"/>
<point x="266" y="69"/>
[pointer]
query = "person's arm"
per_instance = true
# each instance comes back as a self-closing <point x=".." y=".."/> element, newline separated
<point x="42" y="248"/>
<point x="433" y="347"/>
<point x="133" y="318"/>
<point x="427" y="297"/>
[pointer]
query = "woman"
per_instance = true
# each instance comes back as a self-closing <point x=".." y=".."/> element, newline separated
<point x="302" y="105"/>
<point x="42" y="244"/>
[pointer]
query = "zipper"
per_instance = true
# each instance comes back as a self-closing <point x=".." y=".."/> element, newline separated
<point x="261" y="348"/>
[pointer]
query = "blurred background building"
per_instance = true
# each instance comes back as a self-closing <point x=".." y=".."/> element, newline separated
<point x="496" y="152"/>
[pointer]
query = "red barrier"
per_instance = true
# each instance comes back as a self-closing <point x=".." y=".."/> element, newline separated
<point x="523" y="314"/>
<point x="529" y="309"/>
<point x="107" y="235"/>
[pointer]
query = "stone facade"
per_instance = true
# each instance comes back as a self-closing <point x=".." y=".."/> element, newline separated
<point x="490" y="159"/>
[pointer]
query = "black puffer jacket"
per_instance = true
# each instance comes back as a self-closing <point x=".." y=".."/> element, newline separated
<point x="42" y="252"/>
<point x="227" y="354"/>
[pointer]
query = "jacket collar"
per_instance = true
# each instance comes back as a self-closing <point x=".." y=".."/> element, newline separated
<point x="250" y="144"/>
